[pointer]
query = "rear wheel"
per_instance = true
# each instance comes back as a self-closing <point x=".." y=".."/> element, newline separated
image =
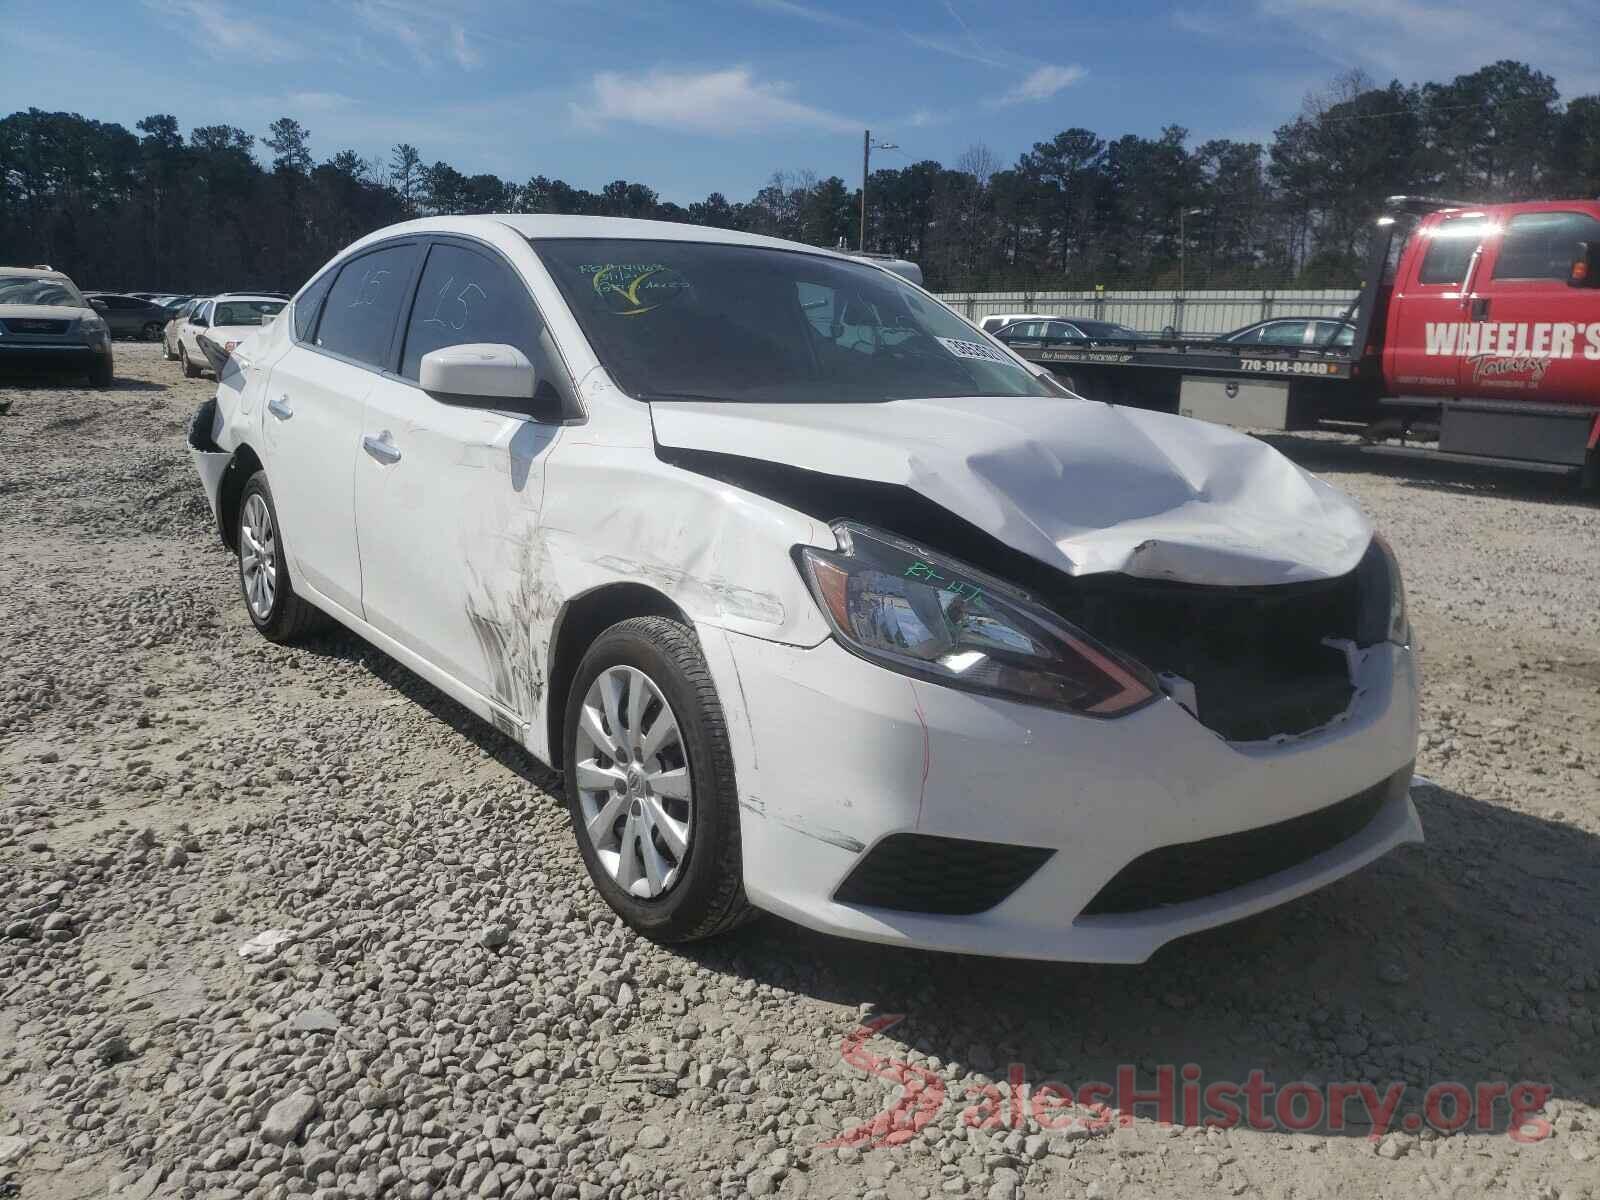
<point x="650" y="785"/>
<point x="269" y="595"/>
<point x="151" y="331"/>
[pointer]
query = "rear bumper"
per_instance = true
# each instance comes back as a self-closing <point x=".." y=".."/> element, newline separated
<point x="836" y="754"/>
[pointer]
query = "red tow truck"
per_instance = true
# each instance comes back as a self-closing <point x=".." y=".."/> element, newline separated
<point x="1478" y="331"/>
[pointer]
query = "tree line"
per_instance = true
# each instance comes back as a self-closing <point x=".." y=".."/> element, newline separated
<point x="222" y="208"/>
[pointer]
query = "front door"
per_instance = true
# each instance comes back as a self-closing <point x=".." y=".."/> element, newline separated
<point x="448" y="498"/>
<point x="1532" y="329"/>
<point x="1429" y="313"/>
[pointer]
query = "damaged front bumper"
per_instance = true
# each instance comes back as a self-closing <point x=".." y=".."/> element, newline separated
<point x="881" y="807"/>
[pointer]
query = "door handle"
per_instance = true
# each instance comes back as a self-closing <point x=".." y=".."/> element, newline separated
<point x="1480" y="307"/>
<point x="381" y="448"/>
<point x="279" y="407"/>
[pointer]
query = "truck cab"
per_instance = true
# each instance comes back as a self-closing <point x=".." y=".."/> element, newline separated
<point x="1492" y="324"/>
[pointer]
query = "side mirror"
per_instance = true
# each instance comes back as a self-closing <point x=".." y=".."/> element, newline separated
<point x="1585" y="271"/>
<point x="487" y="375"/>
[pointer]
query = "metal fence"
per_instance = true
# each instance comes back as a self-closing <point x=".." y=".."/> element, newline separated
<point x="1191" y="312"/>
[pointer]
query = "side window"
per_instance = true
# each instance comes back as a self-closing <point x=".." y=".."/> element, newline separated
<point x="309" y="305"/>
<point x="1449" y="251"/>
<point x="1284" y="333"/>
<point x="467" y="296"/>
<point x="359" y="315"/>
<point x="1541" y="245"/>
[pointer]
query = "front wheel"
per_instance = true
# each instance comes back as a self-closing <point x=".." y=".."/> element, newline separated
<point x="100" y="374"/>
<point x="269" y="595"/>
<point x="166" y="349"/>
<point x="190" y="371"/>
<point x="151" y="331"/>
<point x="650" y="784"/>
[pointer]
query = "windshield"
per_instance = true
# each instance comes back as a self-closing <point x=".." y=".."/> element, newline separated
<point x="247" y="312"/>
<point x="30" y="289"/>
<point x="697" y="321"/>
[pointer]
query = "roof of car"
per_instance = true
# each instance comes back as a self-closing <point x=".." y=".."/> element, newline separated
<point x="34" y="272"/>
<point x="543" y="225"/>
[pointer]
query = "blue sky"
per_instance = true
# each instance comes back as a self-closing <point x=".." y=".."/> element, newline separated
<point x="716" y="95"/>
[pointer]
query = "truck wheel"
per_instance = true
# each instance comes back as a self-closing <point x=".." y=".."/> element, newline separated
<point x="1589" y="478"/>
<point x="277" y="613"/>
<point x="650" y="785"/>
<point x="100" y="376"/>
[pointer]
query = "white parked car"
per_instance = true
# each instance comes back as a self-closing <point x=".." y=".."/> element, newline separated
<point x="824" y="604"/>
<point x="214" y="327"/>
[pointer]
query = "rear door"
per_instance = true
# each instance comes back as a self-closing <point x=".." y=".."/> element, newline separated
<point x="448" y="498"/>
<point x="1529" y="330"/>
<point x="1428" y="313"/>
<point x="315" y="400"/>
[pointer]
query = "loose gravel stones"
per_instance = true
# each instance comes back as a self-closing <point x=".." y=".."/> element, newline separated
<point x="452" y="1013"/>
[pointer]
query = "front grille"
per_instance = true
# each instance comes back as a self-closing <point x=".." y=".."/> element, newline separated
<point x="34" y="325"/>
<point x="1194" y="870"/>
<point x="914" y="872"/>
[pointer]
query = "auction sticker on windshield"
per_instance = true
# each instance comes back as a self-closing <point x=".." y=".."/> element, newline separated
<point x="975" y="350"/>
<point x="631" y="289"/>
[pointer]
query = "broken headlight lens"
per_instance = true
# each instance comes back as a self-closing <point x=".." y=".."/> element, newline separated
<point x="913" y="611"/>
<point x="1383" y="597"/>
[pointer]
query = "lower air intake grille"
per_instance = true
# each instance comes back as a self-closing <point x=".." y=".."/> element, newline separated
<point x="914" y="872"/>
<point x="1194" y="870"/>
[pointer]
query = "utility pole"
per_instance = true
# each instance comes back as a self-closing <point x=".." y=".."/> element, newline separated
<point x="866" y="157"/>
<point x="867" y="147"/>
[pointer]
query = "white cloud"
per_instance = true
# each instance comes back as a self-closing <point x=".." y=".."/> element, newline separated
<point x="1420" y="40"/>
<point x="720" y="103"/>
<point x="222" y="31"/>
<point x="806" y="12"/>
<point x="962" y="47"/>
<point x="465" y="54"/>
<point x="1040" y="84"/>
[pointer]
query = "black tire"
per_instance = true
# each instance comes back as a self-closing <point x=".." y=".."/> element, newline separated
<point x="190" y="371"/>
<point x="100" y="376"/>
<point x="708" y="897"/>
<point x="290" y="616"/>
<point x="151" y="331"/>
<point x="166" y="350"/>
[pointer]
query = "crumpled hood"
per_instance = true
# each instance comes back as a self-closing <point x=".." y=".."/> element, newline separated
<point x="1081" y="486"/>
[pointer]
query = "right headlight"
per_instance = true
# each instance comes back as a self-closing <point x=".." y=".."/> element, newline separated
<point x="926" y="615"/>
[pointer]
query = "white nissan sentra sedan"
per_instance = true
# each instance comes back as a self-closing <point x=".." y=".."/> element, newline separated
<point x="826" y="603"/>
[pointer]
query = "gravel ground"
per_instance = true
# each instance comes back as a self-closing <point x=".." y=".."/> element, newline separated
<point x="453" y="1013"/>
